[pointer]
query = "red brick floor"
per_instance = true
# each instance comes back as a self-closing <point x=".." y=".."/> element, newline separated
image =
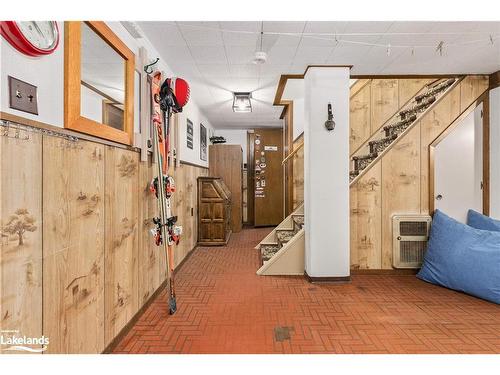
<point x="224" y="307"/>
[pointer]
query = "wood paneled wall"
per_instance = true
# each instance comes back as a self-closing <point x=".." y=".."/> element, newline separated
<point x="21" y="235"/>
<point x="399" y="182"/>
<point x="73" y="246"/>
<point x="374" y="101"/>
<point x="85" y="262"/>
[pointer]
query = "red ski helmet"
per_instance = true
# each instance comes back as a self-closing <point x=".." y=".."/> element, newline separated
<point x="180" y="89"/>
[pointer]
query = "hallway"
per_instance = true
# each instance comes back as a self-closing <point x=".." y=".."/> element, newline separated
<point x="224" y="307"/>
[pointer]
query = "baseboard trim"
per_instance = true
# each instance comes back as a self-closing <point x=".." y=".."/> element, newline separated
<point x="327" y="279"/>
<point x="393" y="272"/>
<point x="126" y="329"/>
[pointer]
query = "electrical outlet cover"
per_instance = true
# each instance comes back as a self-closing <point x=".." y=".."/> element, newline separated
<point x="23" y="96"/>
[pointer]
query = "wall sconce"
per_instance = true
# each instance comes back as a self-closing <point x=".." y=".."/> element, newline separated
<point x="241" y="102"/>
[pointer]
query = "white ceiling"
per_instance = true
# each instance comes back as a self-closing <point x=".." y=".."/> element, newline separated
<point x="216" y="57"/>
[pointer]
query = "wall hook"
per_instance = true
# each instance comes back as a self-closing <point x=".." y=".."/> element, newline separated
<point x="149" y="68"/>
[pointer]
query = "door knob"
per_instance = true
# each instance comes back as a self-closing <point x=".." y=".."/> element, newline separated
<point x="439" y="197"/>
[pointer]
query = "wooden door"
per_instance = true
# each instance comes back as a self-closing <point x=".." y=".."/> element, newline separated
<point x="268" y="172"/>
<point x="250" y="178"/>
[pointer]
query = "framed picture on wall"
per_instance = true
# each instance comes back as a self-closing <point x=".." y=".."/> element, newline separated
<point x="189" y="133"/>
<point x="203" y="142"/>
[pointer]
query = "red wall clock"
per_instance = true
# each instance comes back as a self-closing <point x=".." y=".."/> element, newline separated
<point x="33" y="38"/>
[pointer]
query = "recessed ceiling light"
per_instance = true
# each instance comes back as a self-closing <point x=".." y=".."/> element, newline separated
<point x="241" y="102"/>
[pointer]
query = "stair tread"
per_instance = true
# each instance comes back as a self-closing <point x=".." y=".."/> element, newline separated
<point x="299" y="219"/>
<point x="267" y="251"/>
<point x="408" y="116"/>
<point x="285" y="236"/>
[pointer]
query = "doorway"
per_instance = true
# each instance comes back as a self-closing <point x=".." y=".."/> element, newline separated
<point x="458" y="167"/>
<point x="268" y="176"/>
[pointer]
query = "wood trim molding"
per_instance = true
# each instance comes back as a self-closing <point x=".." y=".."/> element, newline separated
<point x="358" y="86"/>
<point x="285" y="77"/>
<point x="72" y="82"/>
<point x="56" y="129"/>
<point x="409" y="76"/>
<point x="299" y="137"/>
<point x="484" y="98"/>
<point x="327" y="279"/>
<point x="281" y="86"/>
<point x="192" y="164"/>
<point x="385" y="272"/>
<point x="287" y="150"/>
<point x="494" y="80"/>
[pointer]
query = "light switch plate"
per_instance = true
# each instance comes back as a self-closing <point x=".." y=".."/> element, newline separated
<point x="23" y="96"/>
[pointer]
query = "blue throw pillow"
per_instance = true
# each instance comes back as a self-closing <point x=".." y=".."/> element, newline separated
<point x="480" y="221"/>
<point x="463" y="258"/>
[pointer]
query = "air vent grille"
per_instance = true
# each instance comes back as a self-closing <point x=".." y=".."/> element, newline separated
<point x="410" y="236"/>
<point x="412" y="251"/>
<point x="413" y="228"/>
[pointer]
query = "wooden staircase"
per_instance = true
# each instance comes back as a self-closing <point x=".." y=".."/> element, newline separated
<point x="282" y="250"/>
<point x="397" y="126"/>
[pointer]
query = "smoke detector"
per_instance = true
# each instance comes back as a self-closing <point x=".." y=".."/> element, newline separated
<point x="260" y="57"/>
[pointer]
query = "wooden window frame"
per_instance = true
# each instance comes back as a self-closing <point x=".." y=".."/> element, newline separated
<point x="72" y="83"/>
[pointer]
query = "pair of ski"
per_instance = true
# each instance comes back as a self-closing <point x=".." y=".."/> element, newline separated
<point x="166" y="233"/>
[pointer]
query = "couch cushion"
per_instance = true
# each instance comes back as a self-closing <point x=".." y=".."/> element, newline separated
<point x="463" y="258"/>
<point x="480" y="221"/>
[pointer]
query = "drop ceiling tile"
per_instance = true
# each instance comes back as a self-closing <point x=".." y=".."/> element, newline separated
<point x="241" y="39"/>
<point x="213" y="89"/>
<point x="312" y="55"/>
<point x="284" y="26"/>
<point x="241" y="25"/>
<point x="244" y="70"/>
<point x="184" y="68"/>
<point x="367" y="27"/>
<point x="281" y="55"/>
<point x="209" y="55"/>
<point x="174" y="53"/>
<point x="283" y="40"/>
<point x="325" y="26"/>
<point x="447" y="27"/>
<point x="201" y="33"/>
<point x="167" y="31"/>
<point x="240" y="54"/>
<point x="274" y="70"/>
<point x="327" y="41"/>
<point x="487" y="27"/>
<point x="410" y="27"/>
<point x="298" y="68"/>
<point x="213" y="70"/>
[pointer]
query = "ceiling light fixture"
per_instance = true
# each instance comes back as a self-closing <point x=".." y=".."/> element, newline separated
<point x="241" y="102"/>
<point x="260" y="55"/>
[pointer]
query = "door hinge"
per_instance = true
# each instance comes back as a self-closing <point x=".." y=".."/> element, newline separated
<point x="481" y="113"/>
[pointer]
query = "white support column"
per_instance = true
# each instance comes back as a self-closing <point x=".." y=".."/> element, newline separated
<point x="326" y="173"/>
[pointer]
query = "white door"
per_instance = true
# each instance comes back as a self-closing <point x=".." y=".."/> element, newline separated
<point x="458" y="168"/>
